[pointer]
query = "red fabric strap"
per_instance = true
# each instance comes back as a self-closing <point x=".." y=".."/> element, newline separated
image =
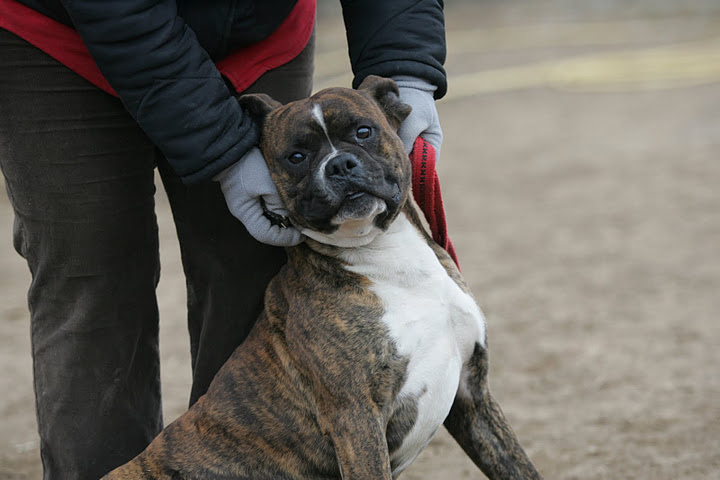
<point x="426" y="191"/>
<point x="242" y="67"/>
<point x="57" y="40"/>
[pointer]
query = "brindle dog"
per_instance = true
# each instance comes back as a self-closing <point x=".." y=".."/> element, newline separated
<point x="369" y="340"/>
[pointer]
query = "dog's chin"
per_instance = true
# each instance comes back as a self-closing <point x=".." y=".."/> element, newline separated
<point x="355" y="221"/>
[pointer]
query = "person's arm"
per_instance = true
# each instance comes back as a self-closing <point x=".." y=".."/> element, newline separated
<point x="397" y="38"/>
<point x="403" y="40"/>
<point x="167" y="82"/>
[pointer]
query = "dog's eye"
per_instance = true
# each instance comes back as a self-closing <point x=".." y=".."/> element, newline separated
<point x="296" y="157"/>
<point x="363" y="132"/>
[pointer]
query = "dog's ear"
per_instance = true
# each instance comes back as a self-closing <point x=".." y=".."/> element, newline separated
<point x="258" y="105"/>
<point x="385" y="92"/>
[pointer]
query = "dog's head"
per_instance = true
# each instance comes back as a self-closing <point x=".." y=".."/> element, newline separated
<point x="336" y="159"/>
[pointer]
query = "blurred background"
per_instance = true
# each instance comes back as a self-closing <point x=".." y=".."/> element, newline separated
<point x="581" y="178"/>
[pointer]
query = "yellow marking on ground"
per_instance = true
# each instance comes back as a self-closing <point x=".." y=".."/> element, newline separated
<point x="581" y="34"/>
<point x="674" y="66"/>
<point x="648" y="68"/>
<point x="525" y="37"/>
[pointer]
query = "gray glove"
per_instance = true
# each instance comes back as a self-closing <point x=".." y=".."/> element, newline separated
<point x="423" y="121"/>
<point x="244" y="184"/>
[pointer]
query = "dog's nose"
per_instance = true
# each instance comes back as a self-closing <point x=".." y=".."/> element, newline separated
<point x="343" y="165"/>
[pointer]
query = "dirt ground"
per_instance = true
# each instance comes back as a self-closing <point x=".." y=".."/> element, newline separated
<point x="582" y="187"/>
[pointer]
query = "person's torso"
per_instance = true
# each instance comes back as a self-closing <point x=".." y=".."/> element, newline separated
<point x="221" y="26"/>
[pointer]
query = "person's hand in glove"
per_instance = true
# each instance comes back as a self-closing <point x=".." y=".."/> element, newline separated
<point x="423" y="121"/>
<point x="244" y="184"/>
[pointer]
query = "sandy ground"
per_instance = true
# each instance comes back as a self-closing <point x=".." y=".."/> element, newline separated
<point x="582" y="185"/>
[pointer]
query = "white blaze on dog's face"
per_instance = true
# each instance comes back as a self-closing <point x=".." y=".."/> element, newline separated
<point x="336" y="159"/>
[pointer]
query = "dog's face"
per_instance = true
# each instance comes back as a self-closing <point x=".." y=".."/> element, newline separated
<point x="336" y="159"/>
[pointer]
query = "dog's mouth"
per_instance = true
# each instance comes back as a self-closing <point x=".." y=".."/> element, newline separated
<point x="359" y="205"/>
<point x="356" y="220"/>
<point x="386" y="190"/>
<point x="350" y="211"/>
<point x="354" y="195"/>
<point x="363" y="201"/>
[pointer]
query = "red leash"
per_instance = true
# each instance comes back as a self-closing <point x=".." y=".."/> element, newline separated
<point x="426" y="190"/>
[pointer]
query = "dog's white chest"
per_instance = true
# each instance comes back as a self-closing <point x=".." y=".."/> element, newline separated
<point x="431" y="320"/>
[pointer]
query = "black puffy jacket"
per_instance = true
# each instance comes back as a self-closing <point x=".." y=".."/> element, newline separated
<point x="158" y="56"/>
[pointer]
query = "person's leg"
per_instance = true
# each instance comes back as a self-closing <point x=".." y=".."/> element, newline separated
<point x="79" y="174"/>
<point x="226" y="269"/>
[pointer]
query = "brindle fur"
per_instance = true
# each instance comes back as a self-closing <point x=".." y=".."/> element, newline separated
<point x="312" y="392"/>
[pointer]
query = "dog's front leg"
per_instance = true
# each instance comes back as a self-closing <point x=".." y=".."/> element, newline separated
<point x="339" y="363"/>
<point x="358" y="435"/>
<point x="477" y="423"/>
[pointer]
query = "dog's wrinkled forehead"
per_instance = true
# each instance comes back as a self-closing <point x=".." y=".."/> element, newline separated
<point x="323" y="117"/>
